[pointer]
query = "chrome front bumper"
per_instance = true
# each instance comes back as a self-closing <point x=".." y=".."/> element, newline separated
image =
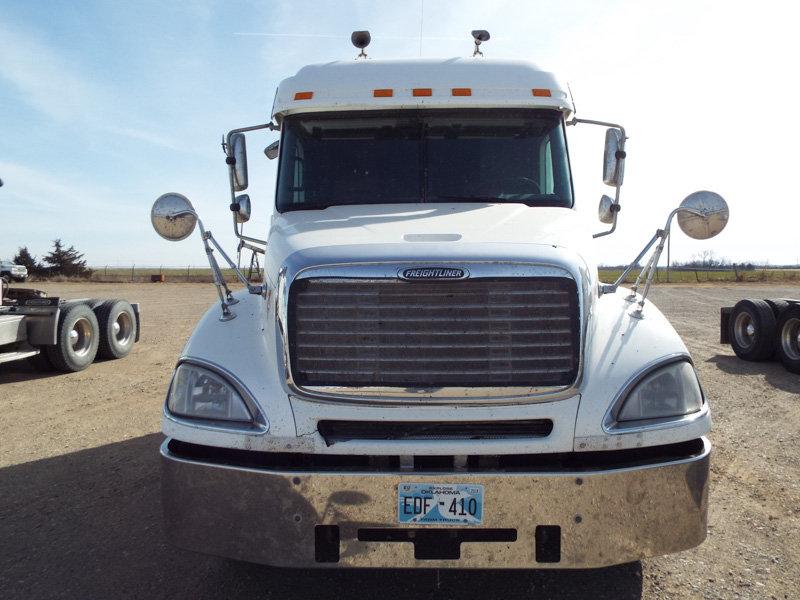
<point x="600" y="516"/>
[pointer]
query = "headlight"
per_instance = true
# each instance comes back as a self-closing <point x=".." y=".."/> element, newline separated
<point x="202" y="394"/>
<point x="670" y="391"/>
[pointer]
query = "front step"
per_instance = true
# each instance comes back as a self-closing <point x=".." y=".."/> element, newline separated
<point x="17" y="355"/>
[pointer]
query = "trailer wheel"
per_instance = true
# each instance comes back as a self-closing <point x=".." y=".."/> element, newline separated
<point x="777" y="305"/>
<point x="752" y="330"/>
<point x="117" y="328"/>
<point x="788" y="339"/>
<point x="77" y="339"/>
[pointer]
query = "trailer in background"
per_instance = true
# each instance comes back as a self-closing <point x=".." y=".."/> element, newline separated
<point x="64" y="335"/>
<point x="763" y="330"/>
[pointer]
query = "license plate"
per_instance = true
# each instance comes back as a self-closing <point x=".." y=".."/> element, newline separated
<point x="440" y="503"/>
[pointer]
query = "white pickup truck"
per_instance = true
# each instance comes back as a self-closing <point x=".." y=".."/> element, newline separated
<point x="9" y="271"/>
<point x="431" y="373"/>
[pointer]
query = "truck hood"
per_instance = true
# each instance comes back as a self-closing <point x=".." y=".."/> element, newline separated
<point x="435" y="231"/>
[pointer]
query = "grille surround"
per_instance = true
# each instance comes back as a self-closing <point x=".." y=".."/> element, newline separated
<point x="485" y="353"/>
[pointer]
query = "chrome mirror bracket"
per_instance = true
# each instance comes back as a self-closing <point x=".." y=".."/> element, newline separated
<point x="701" y="215"/>
<point x="230" y="161"/>
<point x="226" y="297"/>
<point x="619" y="158"/>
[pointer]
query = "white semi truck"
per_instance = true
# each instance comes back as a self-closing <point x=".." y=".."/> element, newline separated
<point x="431" y="373"/>
<point x="62" y="335"/>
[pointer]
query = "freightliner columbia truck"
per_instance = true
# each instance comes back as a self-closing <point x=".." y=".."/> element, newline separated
<point x="431" y="373"/>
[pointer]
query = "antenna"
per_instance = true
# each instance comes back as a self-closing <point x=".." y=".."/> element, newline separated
<point x="361" y="40"/>
<point x="421" y="21"/>
<point x="480" y="35"/>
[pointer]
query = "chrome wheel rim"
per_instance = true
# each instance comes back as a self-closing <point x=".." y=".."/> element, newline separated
<point x="744" y="330"/>
<point x="80" y="337"/>
<point x="122" y="328"/>
<point x="790" y="338"/>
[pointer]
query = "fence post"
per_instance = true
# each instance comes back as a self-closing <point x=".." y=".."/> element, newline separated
<point x="669" y="262"/>
<point x="187" y="272"/>
<point x="132" y="269"/>
<point x="105" y="273"/>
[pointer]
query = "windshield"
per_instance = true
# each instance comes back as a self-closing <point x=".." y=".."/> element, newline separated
<point x="474" y="155"/>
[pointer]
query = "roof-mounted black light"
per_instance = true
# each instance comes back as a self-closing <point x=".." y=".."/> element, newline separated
<point x="479" y="35"/>
<point x="361" y="40"/>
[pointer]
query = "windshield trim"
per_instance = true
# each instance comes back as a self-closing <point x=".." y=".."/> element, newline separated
<point x="420" y="113"/>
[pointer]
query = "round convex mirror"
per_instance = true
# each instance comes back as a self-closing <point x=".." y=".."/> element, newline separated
<point x="173" y="217"/>
<point x="707" y="215"/>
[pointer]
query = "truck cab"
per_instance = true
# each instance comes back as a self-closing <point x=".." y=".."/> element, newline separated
<point x="431" y="373"/>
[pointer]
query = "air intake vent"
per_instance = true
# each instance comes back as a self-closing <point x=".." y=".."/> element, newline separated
<point x="418" y="334"/>
<point x="343" y="431"/>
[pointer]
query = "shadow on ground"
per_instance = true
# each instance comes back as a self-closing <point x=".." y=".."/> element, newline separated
<point x="88" y="525"/>
<point x="774" y="372"/>
<point x="23" y="370"/>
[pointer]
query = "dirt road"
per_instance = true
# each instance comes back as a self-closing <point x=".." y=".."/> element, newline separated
<point x="79" y="481"/>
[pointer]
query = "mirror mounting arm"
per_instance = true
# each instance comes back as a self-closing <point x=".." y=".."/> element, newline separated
<point x="253" y="289"/>
<point x="226" y="298"/>
<point x="649" y="270"/>
<point x="230" y="160"/>
<point x="620" y="155"/>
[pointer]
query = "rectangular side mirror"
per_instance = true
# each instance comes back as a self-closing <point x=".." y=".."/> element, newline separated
<point x="614" y="158"/>
<point x="239" y="153"/>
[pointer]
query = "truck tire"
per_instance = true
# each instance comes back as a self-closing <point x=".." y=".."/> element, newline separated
<point x="778" y="305"/>
<point x="752" y="330"/>
<point x="77" y="339"/>
<point x="117" y="328"/>
<point x="787" y="346"/>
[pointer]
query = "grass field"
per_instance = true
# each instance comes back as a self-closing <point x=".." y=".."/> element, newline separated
<point x="143" y="274"/>
<point x="703" y="276"/>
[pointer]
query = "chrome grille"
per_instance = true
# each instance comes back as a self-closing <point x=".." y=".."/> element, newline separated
<point x="465" y="333"/>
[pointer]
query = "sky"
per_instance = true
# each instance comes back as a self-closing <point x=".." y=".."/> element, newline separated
<point x="106" y="105"/>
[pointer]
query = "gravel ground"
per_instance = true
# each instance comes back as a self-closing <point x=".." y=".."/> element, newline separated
<point x="79" y="481"/>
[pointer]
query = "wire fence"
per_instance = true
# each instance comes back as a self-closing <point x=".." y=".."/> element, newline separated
<point x="195" y="274"/>
<point x="144" y="274"/>
<point x="729" y="274"/>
